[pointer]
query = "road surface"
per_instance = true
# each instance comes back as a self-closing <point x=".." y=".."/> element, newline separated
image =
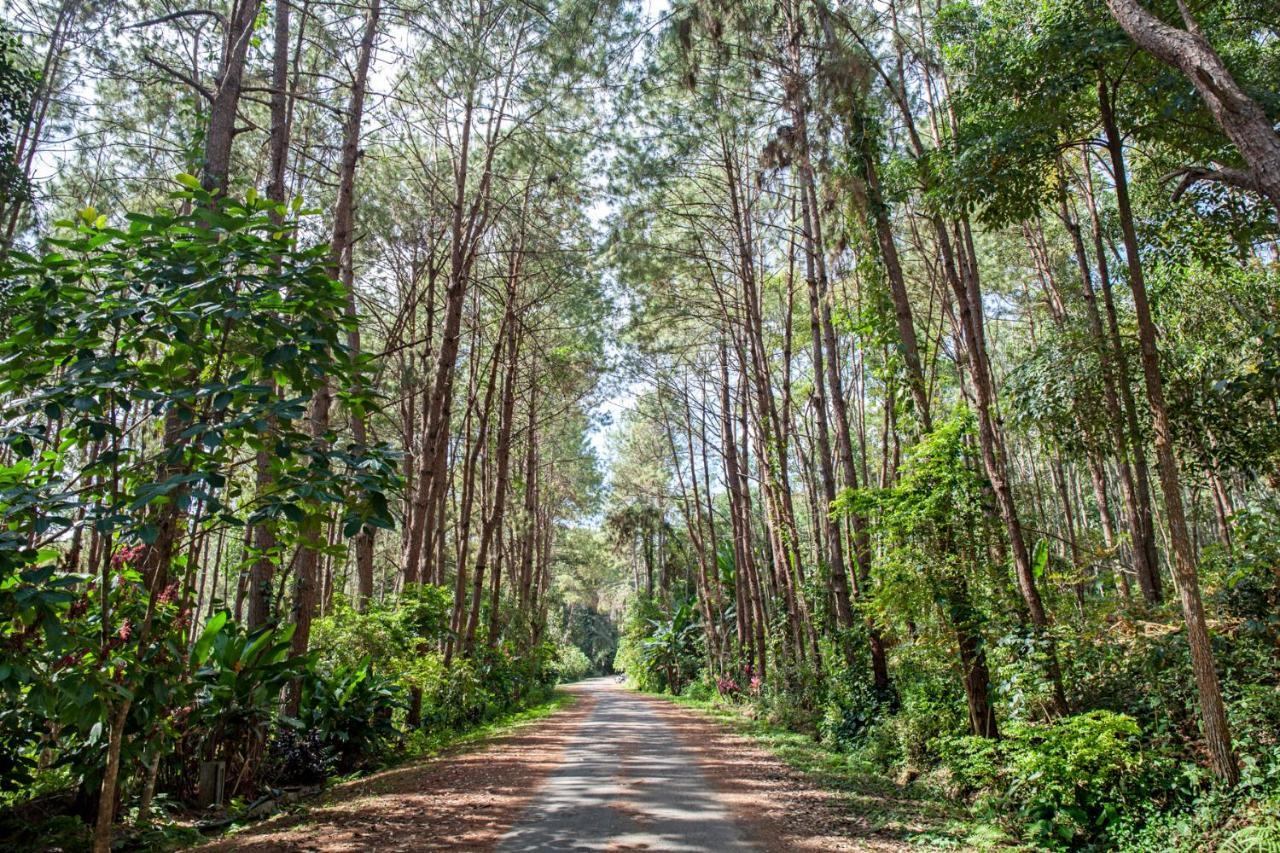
<point x="614" y="771"/>
<point x="627" y="782"/>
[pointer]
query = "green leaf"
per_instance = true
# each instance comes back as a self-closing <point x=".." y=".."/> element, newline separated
<point x="1040" y="558"/>
<point x="200" y="651"/>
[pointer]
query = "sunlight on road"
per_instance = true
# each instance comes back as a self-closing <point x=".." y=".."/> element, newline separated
<point x="626" y="784"/>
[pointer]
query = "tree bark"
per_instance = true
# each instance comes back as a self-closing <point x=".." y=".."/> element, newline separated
<point x="1213" y="714"/>
<point x="1241" y="118"/>
<point x="221" y="130"/>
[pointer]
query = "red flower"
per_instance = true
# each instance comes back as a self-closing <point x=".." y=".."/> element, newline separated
<point x="127" y="556"/>
<point x="169" y="594"/>
<point x="126" y="630"/>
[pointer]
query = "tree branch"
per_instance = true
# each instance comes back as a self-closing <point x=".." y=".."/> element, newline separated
<point x="1192" y="175"/>
<point x="173" y="16"/>
<point x="176" y="74"/>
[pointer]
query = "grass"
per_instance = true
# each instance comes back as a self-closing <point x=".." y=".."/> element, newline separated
<point x="910" y="814"/>
<point x="425" y="746"/>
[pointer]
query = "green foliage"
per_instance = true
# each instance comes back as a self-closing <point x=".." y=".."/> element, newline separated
<point x="387" y="657"/>
<point x="17" y="88"/>
<point x="572" y="664"/>
<point x="596" y="636"/>
<point x="635" y="630"/>
<point x="350" y="709"/>
<point x="60" y="674"/>
<point x="213" y="322"/>
<point x="395" y="634"/>
<point x="852" y="707"/>
<point x="659" y="650"/>
<point x="475" y="690"/>
<point x="930" y="707"/>
<point x="1066" y="782"/>
<point x="235" y="706"/>
<point x="212" y="319"/>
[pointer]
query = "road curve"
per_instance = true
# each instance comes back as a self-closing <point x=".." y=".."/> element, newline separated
<point x="626" y="782"/>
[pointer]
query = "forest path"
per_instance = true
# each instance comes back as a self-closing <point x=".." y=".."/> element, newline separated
<point x="616" y="770"/>
<point x="627" y="782"/>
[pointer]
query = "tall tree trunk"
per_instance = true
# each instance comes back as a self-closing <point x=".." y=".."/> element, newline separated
<point x="1146" y="565"/>
<point x="1107" y="356"/>
<point x="341" y="258"/>
<point x="220" y="133"/>
<point x="837" y="572"/>
<point x="1213" y="714"/>
<point x="969" y="301"/>
<point x="493" y="523"/>
<point x="262" y="572"/>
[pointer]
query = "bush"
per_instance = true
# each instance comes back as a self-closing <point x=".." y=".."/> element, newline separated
<point x="298" y="758"/>
<point x="238" y="686"/>
<point x="852" y="707"/>
<point x="572" y="664"/>
<point x="636" y="629"/>
<point x="973" y="764"/>
<point x="659" y="650"/>
<point x="930" y="705"/>
<point x="1065" y="782"/>
<point x="351" y="710"/>
<point x="473" y="690"/>
<point x="701" y="690"/>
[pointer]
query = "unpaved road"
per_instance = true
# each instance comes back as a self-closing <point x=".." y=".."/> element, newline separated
<point x="614" y="771"/>
<point x="626" y="783"/>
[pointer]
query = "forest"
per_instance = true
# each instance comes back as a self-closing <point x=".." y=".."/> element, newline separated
<point x="898" y="375"/>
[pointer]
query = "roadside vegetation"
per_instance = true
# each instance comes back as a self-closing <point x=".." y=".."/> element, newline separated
<point x="904" y="376"/>
<point x="956" y="448"/>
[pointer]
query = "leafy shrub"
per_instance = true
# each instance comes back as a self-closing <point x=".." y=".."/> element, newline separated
<point x="572" y="664"/>
<point x="238" y="684"/>
<point x="701" y="690"/>
<point x="392" y="633"/>
<point x="973" y="763"/>
<point x="1065" y="782"/>
<point x="351" y="710"/>
<point x="630" y="657"/>
<point x="473" y="690"/>
<point x="852" y="707"/>
<point x="930" y="706"/>
<point x="727" y="686"/>
<point x="299" y="758"/>
<point x="660" y="650"/>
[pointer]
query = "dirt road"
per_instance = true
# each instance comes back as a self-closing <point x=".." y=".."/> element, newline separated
<point x="626" y="782"/>
<point x="614" y="771"/>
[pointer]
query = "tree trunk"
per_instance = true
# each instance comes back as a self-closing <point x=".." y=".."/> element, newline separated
<point x="1115" y="416"/>
<point x="221" y="130"/>
<point x="1241" y="118"/>
<point x="1217" y="732"/>
<point x="340" y="258"/>
<point x="493" y="522"/>
<point x="1147" y="565"/>
<point x="110" y="776"/>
